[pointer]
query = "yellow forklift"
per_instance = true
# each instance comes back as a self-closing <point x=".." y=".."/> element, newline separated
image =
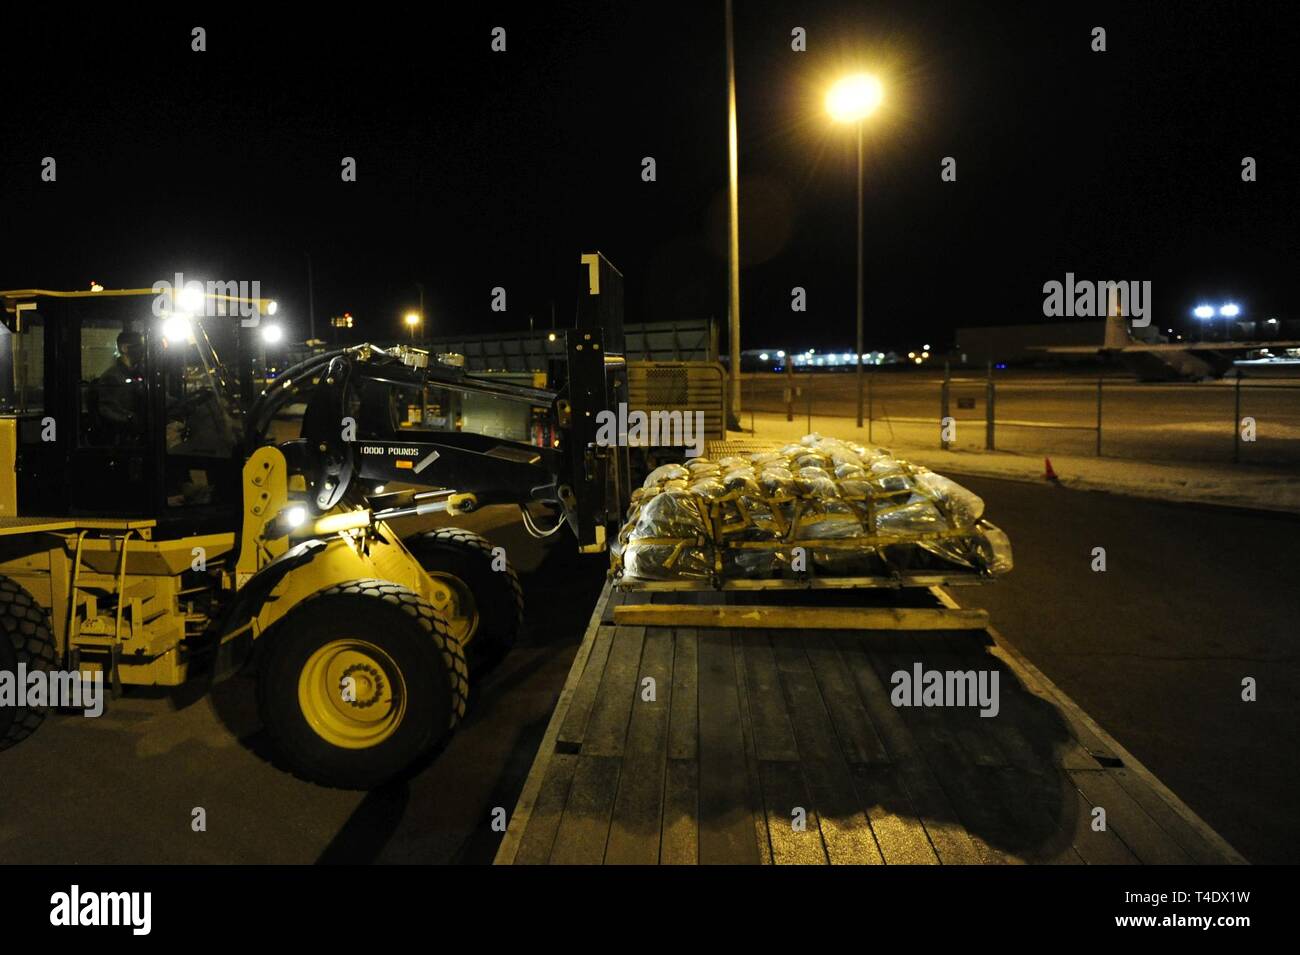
<point x="163" y="524"/>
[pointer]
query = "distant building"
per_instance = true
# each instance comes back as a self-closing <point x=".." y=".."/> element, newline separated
<point x="1011" y="344"/>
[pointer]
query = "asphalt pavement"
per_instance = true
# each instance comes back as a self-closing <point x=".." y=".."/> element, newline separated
<point x="1193" y="601"/>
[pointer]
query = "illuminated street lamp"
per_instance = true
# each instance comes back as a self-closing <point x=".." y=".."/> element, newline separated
<point x="1229" y="310"/>
<point x="271" y="335"/>
<point x="412" y="322"/>
<point x="1203" y="311"/>
<point x="852" y="100"/>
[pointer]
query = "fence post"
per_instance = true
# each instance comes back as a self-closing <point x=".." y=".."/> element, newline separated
<point x="871" y="407"/>
<point x="989" y="395"/>
<point x="1236" y="422"/>
<point x="749" y="402"/>
<point x="943" y="406"/>
<point x="789" y="387"/>
<point x="810" y="384"/>
<point x="1100" y="379"/>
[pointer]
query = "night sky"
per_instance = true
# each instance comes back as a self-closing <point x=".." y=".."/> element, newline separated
<point x="479" y="169"/>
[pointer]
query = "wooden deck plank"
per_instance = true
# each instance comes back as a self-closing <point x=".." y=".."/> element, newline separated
<point x="1192" y="841"/>
<point x="574" y="727"/>
<point x="759" y="821"/>
<point x="684" y="718"/>
<point x="1037" y="806"/>
<point x="1005" y="729"/>
<point x="636" y="827"/>
<point x="899" y="831"/>
<point x="1095" y="848"/>
<point x="681" y="821"/>
<point x="845" y="828"/>
<point x="886" y="721"/>
<point x="965" y="723"/>
<point x="659" y="614"/>
<point x="858" y="738"/>
<point x="614" y="598"/>
<point x="1144" y="838"/>
<point x="1095" y="740"/>
<point x="935" y="811"/>
<point x="969" y="793"/>
<point x="783" y="794"/>
<point x="1022" y="803"/>
<point x="543" y="822"/>
<point x="773" y="734"/>
<point x="543" y="767"/>
<point x="584" y="827"/>
<point x="950" y="839"/>
<point x="607" y="726"/>
<point x="1032" y="793"/>
<point x="726" y="820"/>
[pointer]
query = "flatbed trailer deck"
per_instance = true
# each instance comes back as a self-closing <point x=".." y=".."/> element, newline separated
<point x="752" y="730"/>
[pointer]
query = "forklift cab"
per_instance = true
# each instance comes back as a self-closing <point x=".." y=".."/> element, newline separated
<point x="113" y="410"/>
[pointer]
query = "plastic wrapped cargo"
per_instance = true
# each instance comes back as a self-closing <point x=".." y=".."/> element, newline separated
<point x="822" y="506"/>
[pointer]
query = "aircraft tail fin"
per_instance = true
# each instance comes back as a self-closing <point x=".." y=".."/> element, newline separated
<point x="1117" y="333"/>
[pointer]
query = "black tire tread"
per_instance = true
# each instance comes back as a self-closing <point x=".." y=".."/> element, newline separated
<point x="27" y="627"/>
<point x="428" y="619"/>
<point x="468" y="539"/>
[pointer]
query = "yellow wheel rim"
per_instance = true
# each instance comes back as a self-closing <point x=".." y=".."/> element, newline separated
<point x="455" y="601"/>
<point x="352" y="694"/>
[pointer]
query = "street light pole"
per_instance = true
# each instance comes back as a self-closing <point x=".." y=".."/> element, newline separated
<point x="733" y="228"/>
<point x="311" y="301"/>
<point x="424" y="329"/>
<point x="852" y="100"/>
<point x="860" y="276"/>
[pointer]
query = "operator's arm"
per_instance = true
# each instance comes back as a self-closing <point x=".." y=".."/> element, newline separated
<point x="116" y="400"/>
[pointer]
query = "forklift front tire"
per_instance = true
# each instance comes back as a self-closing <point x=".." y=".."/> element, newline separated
<point x="476" y="589"/>
<point x="25" y="638"/>
<point x="359" y="683"/>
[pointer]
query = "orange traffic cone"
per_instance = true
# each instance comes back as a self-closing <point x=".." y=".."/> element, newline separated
<point x="1049" y="473"/>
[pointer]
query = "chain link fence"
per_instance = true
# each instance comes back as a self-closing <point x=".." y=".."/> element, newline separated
<point x="1246" y="420"/>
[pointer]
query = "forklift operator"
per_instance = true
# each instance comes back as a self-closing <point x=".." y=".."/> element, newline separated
<point x="120" y="398"/>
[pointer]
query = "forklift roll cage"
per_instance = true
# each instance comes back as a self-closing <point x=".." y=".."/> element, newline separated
<point x="351" y="438"/>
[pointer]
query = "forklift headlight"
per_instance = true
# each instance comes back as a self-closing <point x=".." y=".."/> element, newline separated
<point x="191" y="297"/>
<point x="176" y="329"/>
<point x="286" y="522"/>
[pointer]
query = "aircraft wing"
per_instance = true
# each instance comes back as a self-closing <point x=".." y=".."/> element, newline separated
<point x="1208" y="346"/>
<point x="1069" y="349"/>
<point x="1163" y="347"/>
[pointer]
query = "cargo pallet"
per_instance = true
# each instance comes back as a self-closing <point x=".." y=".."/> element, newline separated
<point x="775" y="744"/>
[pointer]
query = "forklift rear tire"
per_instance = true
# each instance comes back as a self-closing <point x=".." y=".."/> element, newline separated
<point x="359" y="683"/>
<point x="25" y="638"/>
<point x="484" y="606"/>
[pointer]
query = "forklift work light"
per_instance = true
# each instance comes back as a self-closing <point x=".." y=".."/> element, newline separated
<point x="191" y="297"/>
<point x="176" y="329"/>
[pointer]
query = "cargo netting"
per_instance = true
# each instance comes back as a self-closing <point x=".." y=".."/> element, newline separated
<point x="823" y="506"/>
